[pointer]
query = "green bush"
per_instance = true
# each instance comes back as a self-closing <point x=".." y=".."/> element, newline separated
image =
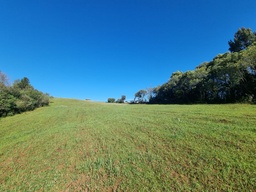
<point x="20" y="97"/>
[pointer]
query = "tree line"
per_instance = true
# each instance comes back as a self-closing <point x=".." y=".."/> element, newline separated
<point x="19" y="97"/>
<point x="113" y="100"/>
<point x="228" y="78"/>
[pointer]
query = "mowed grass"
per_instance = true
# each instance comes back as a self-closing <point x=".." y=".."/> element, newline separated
<point x="77" y="145"/>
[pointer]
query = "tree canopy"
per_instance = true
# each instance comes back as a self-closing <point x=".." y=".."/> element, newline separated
<point x="140" y="96"/>
<point x="19" y="97"/>
<point x="243" y="38"/>
<point x="228" y="78"/>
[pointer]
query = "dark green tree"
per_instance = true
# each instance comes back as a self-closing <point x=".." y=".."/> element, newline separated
<point x="19" y="97"/>
<point x="121" y="100"/>
<point x="7" y="101"/>
<point x="243" y="38"/>
<point x="22" y="84"/>
<point x="111" y="100"/>
<point x="140" y="95"/>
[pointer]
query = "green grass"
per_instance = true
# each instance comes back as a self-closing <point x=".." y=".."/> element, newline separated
<point x="84" y="146"/>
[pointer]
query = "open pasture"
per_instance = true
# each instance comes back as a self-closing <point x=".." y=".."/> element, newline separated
<point x="75" y="145"/>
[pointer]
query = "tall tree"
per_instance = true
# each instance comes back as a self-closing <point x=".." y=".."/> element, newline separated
<point x="123" y="98"/>
<point x="243" y="38"/>
<point x="140" y="95"/>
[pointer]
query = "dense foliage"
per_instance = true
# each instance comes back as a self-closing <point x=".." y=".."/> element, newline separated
<point x="19" y="97"/>
<point x="228" y="78"/>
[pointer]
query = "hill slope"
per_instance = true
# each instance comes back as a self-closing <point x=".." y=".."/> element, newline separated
<point x="79" y="146"/>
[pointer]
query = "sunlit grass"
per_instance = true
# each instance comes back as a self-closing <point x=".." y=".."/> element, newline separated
<point x="84" y="146"/>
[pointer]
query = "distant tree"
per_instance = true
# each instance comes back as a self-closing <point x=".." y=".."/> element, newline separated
<point x="123" y="98"/>
<point x="242" y="39"/>
<point x="3" y="78"/>
<point x="168" y="92"/>
<point x="150" y="93"/>
<point x="111" y="100"/>
<point x="139" y="96"/>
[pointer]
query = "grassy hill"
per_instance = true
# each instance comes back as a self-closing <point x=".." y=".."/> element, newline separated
<point x="85" y="146"/>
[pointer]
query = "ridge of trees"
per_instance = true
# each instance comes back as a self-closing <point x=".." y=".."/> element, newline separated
<point x="228" y="78"/>
<point x="19" y="97"/>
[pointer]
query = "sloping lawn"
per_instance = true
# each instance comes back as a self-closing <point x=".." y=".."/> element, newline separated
<point x="77" y="145"/>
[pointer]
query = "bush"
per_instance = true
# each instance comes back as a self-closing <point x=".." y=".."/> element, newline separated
<point x="20" y="97"/>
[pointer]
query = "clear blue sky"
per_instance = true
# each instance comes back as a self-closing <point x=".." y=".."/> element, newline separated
<point x="107" y="48"/>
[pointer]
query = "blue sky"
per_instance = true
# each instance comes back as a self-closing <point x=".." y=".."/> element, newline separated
<point x="107" y="48"/>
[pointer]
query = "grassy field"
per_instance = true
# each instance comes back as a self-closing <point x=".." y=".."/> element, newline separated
<point x="85" y="146"/>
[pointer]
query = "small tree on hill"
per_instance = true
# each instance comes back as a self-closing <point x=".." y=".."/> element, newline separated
<point x="123" y="98"/>
<point x="111" y="100"/>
